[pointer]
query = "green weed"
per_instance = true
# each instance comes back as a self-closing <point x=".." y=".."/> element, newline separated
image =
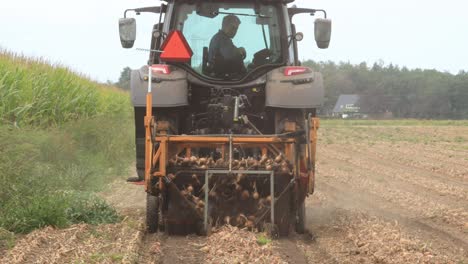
<point x="88" y="208"/>
<point x="99" y="257"/>
<point x="55" y="209"/>
<point x="7" y="239"/>
<point x="263" y="240"/>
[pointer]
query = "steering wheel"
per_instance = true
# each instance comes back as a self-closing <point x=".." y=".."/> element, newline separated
<point x="261" y="57"/>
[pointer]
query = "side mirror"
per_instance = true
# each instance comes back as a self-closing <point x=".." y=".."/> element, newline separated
<point x="127" y="31"/>
<point x="322" y="32"/>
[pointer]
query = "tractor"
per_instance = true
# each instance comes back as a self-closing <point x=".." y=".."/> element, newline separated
<point x="224" y="139"/>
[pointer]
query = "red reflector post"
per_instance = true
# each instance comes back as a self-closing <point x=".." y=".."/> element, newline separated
<point x="295" y="70"/>
<point x="161" y="68"/>
<point x="176" y="48"/>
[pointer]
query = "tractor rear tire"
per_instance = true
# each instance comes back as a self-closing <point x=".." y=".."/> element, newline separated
<point x="301" y="218"/>
<point x="152" y="213"/>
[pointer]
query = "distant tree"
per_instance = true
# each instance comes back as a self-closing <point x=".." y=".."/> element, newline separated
<point x="407" y="93"/>
<point x="124" y="80"/>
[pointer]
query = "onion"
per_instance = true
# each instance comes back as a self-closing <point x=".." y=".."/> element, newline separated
<point x="190" y="189"/>
<point x="210" y="162"/>
<point x="200" y="203"/>
<point x="199" y="210"/>
<point x="185" y="161"/>
<point x="255" y="165"/>
<point x="195" y="179"/>
<point x="219" y="163"/>
<point x="202" y="161"/>
<point x="245" y="195"/>
<point x="241" y="220"/>
<point x="285" y="169"/>
<point x="256" y="195"/>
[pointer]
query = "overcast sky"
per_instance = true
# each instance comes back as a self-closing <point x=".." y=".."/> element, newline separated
<point x="83" y="35"/>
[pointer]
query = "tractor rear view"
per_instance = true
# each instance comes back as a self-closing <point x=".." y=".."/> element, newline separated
<point x="220" y="138"/>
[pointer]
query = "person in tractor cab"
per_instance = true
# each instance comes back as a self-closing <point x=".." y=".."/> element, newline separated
<point x="224" y="58"/>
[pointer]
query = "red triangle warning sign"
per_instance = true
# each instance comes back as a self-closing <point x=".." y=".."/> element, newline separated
<point x="176" y="48"/>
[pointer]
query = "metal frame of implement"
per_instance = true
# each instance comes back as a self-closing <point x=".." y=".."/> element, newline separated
<point x="187" y="142"/>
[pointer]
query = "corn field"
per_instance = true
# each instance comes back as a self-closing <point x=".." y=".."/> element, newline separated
<point x="66" y="148"/>
<point x="34" y="93"/>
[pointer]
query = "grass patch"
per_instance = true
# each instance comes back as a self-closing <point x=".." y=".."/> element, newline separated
<point x="49" y="176"/>
<point x="56" y="209"/>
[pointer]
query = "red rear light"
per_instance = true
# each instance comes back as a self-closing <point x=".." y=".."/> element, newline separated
<point x="160" y="69"/>
<point x="295" y="70"/>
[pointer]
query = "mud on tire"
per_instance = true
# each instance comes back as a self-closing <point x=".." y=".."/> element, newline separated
<point x="300" y="221"/>
<point x="152" y="213"/>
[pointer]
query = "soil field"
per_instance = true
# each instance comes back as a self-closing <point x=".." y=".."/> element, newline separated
<point x="384" y="194"/>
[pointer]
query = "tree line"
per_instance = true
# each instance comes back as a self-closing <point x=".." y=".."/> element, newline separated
<point x="414" y="93"/>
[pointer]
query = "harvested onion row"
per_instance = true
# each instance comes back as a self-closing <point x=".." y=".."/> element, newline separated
<point x="234" y="200"/>
<point x="278" y="164"/>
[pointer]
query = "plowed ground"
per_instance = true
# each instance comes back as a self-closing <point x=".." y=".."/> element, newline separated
<point x="384" y="194"/>
<point x="390" y="195"/>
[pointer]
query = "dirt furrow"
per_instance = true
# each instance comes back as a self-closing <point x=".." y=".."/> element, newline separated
<point x="438" y="183"/>
<point x="176" y="250"/>
<point x="414" y="157"/>
<point x="383" y="177"/>
<point x="344" y="196"/>
<point x="358" y="219"/>
<point x="413" y="203"/>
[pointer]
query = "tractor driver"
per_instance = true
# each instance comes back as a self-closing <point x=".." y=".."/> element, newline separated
<point x="224" y="58"/>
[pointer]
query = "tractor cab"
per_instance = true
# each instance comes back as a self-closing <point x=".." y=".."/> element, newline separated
<point x="231" y="40"/>
<point x="264" y="37"/>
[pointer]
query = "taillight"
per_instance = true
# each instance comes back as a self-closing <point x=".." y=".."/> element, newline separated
<point x="295" y="70"/>
<point x="161" y="68"/>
